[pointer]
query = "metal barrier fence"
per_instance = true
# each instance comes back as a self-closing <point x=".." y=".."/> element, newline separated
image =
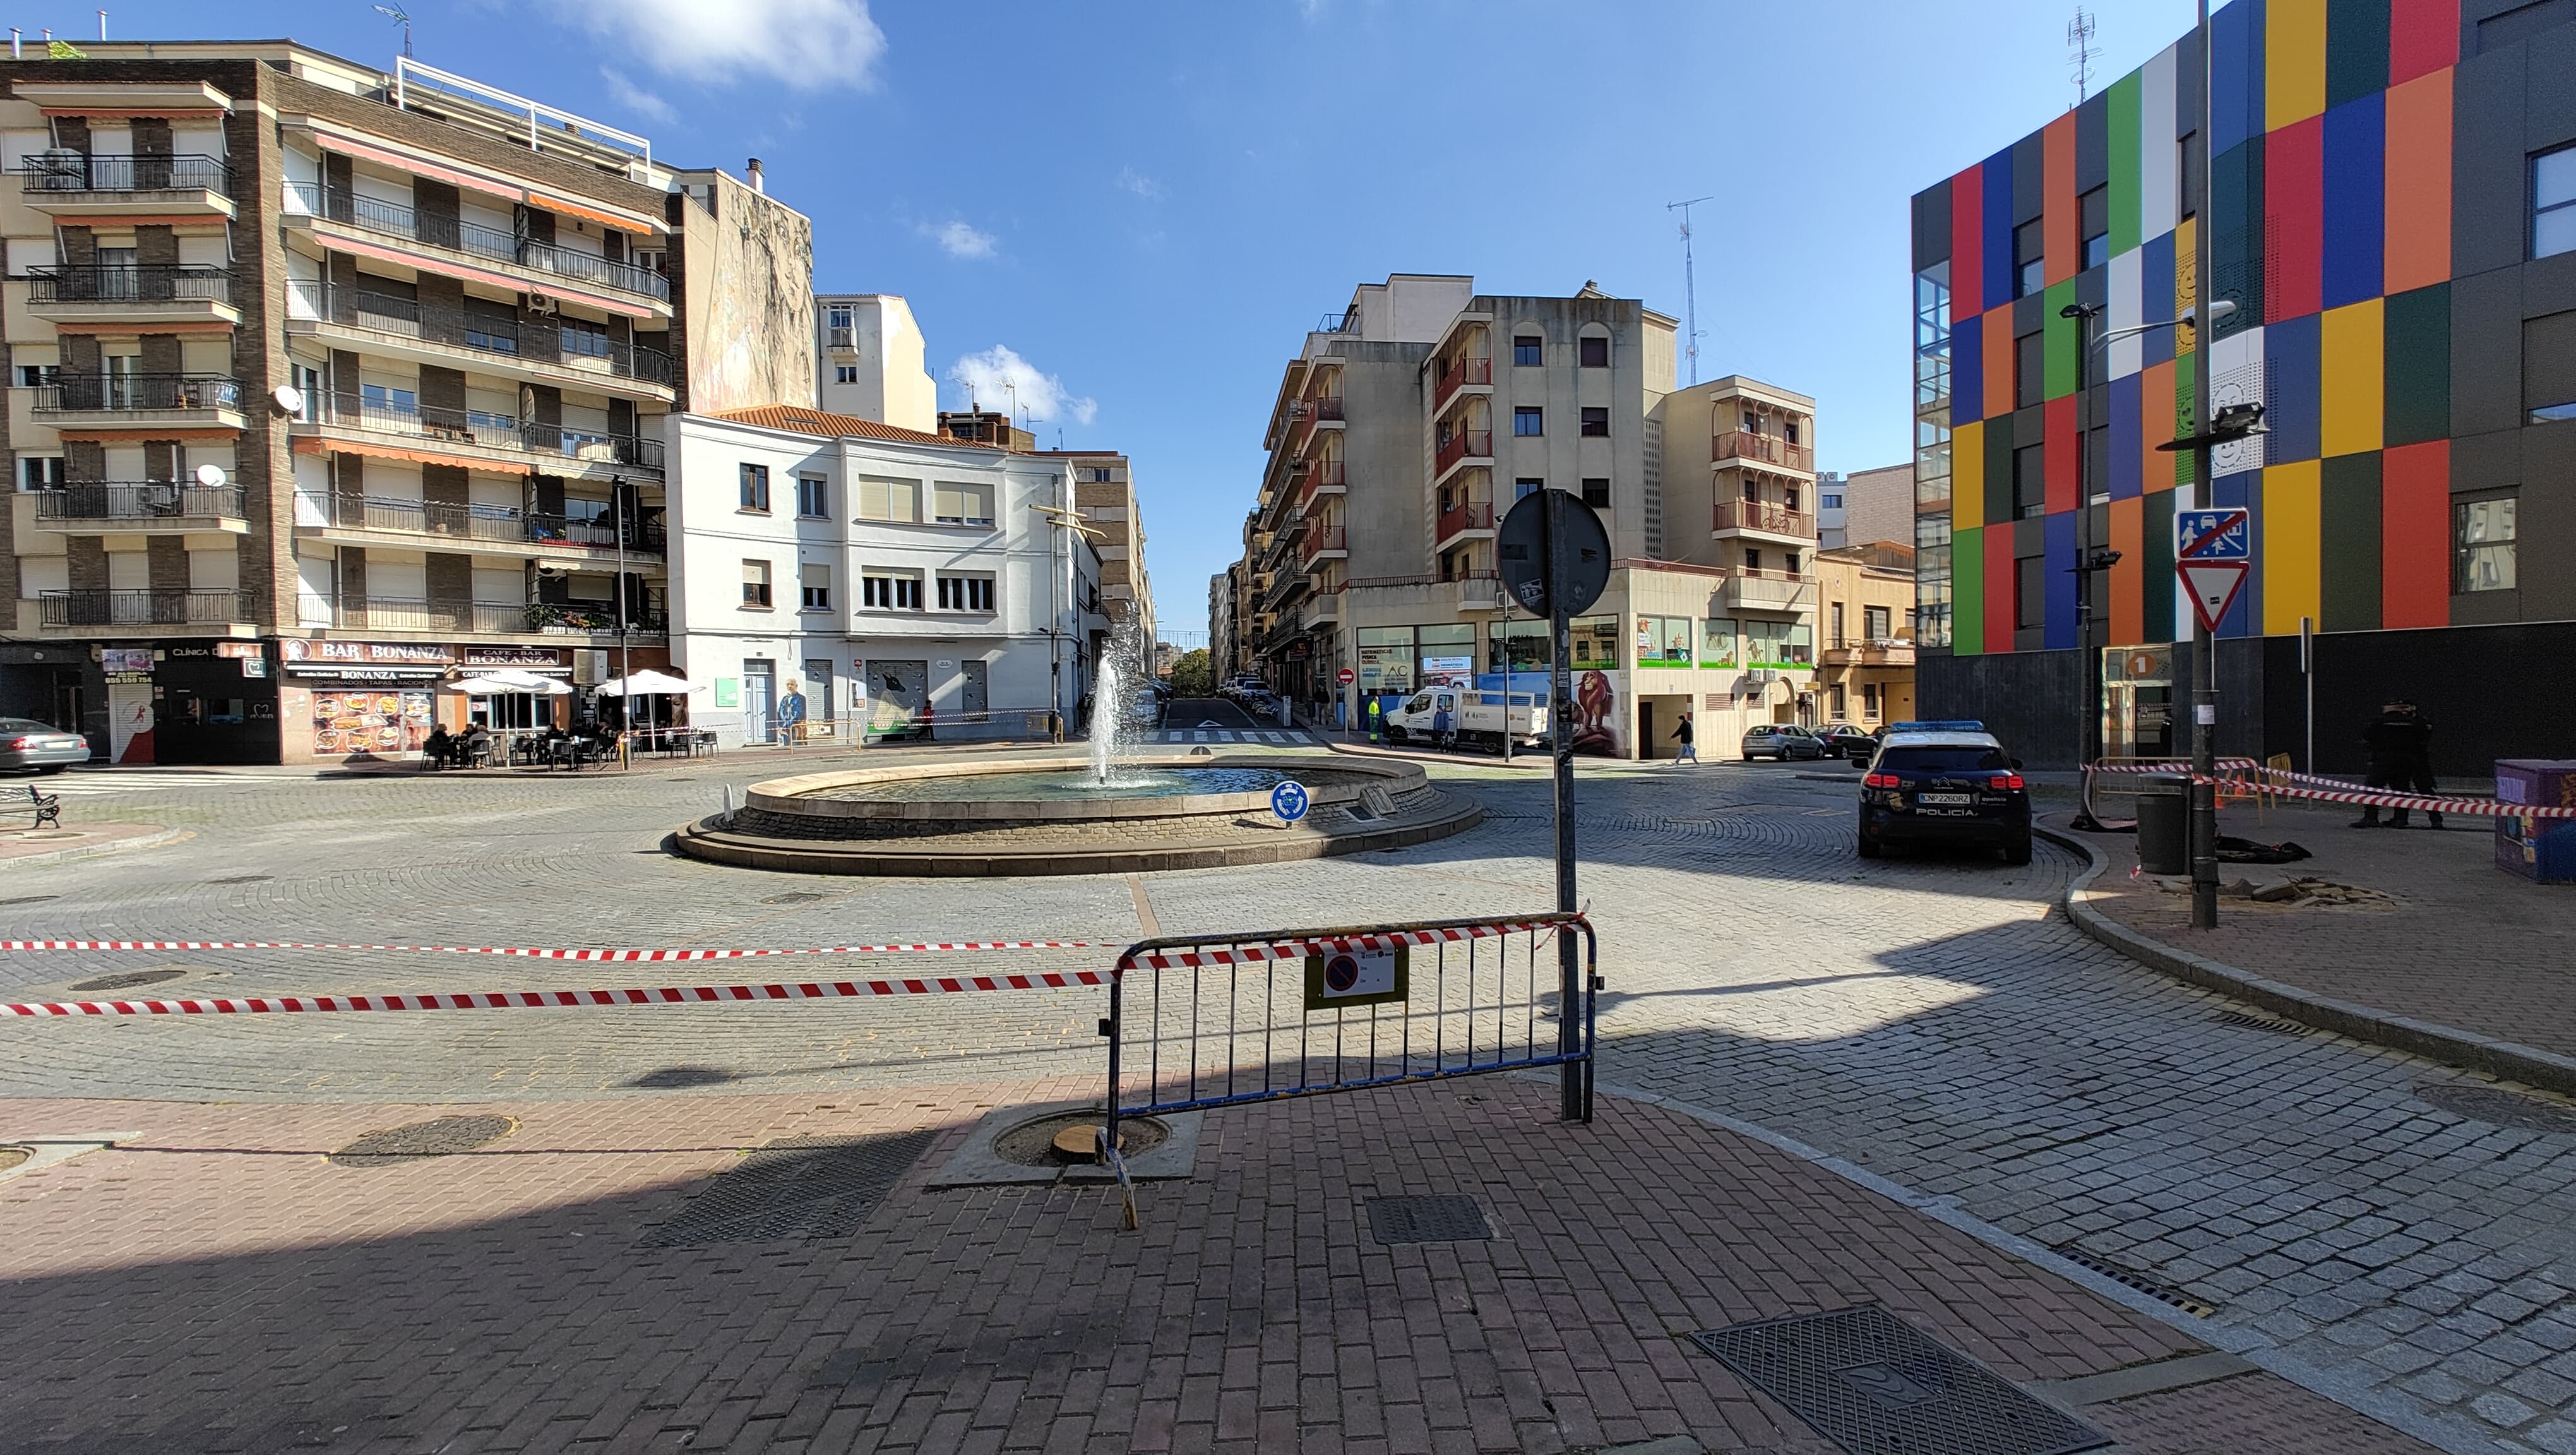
<point x="1202" y="1021"/>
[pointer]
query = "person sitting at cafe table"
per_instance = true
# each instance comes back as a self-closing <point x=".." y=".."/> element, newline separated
<point x="475" y="746"/>
<point x="439" y="746"/>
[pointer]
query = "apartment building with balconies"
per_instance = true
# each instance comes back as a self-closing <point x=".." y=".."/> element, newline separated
<point x="1865" y="632"/>
<point x="1104" y="493"/>
<point x="333" y="385"/>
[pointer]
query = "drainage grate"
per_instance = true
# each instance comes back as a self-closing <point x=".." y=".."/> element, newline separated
<point x="801" y="896"/>
<point x="127" y="980"/>
<point x="444" y="1137"/>
<point x="2265" y="1024"/>
<point x="796" y="1187"/>
<point x="2139" y="1281"/>
<point x="2500" y="1105"/>
<point x="1874" y="1385"/>
<point x="1427" y="1219"/>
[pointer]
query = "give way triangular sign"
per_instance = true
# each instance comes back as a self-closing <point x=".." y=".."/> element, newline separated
<point x="2213" y="586"/>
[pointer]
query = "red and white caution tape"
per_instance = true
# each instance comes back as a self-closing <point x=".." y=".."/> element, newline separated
<point x="2171" y="765"/>
<point x="550" y="999"/>
<point x="622" y="957"/>
<point x="1292" y="949"/>
<point x="2246" y="775"/>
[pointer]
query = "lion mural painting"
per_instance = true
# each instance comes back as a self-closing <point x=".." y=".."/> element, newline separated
<point x="1594" y="700"/>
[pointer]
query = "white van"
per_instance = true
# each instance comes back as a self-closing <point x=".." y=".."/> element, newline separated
<point x="1476" y="719"/>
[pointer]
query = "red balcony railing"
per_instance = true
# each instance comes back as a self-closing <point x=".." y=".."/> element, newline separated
<point x="1763" y="515"/>
<point x="1460" y="371"/>
<point x="1768" y="449"/>
<point x="1320" y="476"/>
<point x="1465" y="515"/>
<point x="1320" y="541"/>
<point x="1462" y="444"/>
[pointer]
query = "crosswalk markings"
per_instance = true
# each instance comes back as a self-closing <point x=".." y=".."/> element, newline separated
<point x="84" y="784"/>
<point x="1284" y="738"/>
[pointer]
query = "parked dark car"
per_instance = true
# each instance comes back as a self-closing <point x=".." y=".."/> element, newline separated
<point x="1843" y="740"/>
<point x="1784" y="741"/>
<point x="1945" y="786"/>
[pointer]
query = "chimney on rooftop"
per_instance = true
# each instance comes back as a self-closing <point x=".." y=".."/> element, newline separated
<point x="757" y="184"/>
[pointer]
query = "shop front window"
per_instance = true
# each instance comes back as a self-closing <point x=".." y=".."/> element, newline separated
<point x="1778" y="644"/>
<point x="1664" y="641"/>
<point x="1596" y="643"/>
<point x="1386" y="659"/>
<point x="1517" y="646"/>
<point x="1447" y="652"/>
<point x="1717" y="646"/>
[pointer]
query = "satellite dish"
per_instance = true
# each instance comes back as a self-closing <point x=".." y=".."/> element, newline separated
<point x="288" y="398"/>
<point x="210" y="476"/>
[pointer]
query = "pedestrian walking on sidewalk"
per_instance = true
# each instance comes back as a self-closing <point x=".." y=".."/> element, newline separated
<point x="2400" y="744"/>
<point x="1683" y="734"/>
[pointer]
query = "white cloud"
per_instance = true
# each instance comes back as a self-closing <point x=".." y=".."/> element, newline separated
<point x="805" y="44"/>
<point x="1000" y="379"/>
<point x="962" y="241"/>
<point x="635" y="98"/>
<point x="1131" y="180"/>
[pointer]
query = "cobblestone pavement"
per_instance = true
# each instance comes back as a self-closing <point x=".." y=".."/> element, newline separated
<point x="537" y="1293"/>
<point x="1929" y="1021"/>
<point x="2456" y="940"/>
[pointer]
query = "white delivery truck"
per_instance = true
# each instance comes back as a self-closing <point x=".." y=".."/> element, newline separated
<point x="1477" y="719"/>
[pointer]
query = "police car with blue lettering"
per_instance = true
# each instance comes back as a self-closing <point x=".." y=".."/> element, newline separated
<point x="1944" y="783"/>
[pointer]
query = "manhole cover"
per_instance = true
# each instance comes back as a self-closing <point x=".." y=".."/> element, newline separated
<point x="243" y="879"/>
<point x="13" y="1156"/>
<point x="796" y="1187"/>
<point x="2503" y="1107"/>
<point x="29" y="899"/>
<point x="1874" y="1385"/>
<point x="799" y="897"/>
<point x="441" y="1138"/>
<point x="1032" y="1143"/>
<point x="1427" y="1219"/>
<point x="128" y="980"/>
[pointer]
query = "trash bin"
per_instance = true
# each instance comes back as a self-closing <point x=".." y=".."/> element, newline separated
<point x="2542" y="849"/>
<point x="2164" y="815"/>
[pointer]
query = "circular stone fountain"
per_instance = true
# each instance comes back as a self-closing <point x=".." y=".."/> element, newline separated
<point x="1051" y="816"/>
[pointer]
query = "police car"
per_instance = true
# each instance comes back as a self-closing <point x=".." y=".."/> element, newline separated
<point x="1944" y="783"/>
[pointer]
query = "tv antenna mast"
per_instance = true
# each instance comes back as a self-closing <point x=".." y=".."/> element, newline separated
<point x="396" y="14"/>
<point x="2081" y="53"/>
<point x="1690" y="284"/>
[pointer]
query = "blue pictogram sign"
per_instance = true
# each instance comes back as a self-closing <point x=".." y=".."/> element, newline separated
<point x="1288" y="800"/>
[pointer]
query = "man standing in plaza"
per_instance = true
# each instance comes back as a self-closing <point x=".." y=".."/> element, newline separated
<point x="791" y="716"/>
<point x="1685" y="735"/>
<point x="2400" y="744"/>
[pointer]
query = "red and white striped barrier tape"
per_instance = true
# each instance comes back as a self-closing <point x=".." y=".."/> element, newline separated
<point x="548" y="999"/>
<point x="1290" y="949"/>
<point x="622" y="957"/>
<point x="2288" y="784"/>
<point x="2169" y="765"/>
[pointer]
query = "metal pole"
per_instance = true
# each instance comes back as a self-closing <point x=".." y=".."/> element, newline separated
<point x="1507" y="676"/>
<point x="2308" y="676"/>
<point x="2088" y="734"/>
<point x="2204" y="667"/>
<point x="1569" y="983"/>
<point x="625" y="657"/>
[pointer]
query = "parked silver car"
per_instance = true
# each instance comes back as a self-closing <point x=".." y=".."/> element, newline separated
<point x="1785" y="741"/>
<point x="27" y="743"/>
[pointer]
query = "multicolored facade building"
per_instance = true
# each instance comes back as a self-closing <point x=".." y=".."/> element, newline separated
<point x="2392" y="211"/>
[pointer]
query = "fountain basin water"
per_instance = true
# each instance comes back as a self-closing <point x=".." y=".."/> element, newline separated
<point x="1046" y="816"/>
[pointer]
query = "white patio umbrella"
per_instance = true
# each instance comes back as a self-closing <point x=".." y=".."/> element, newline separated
<point x="498" y="684"/>
<point x="646" y="684"/>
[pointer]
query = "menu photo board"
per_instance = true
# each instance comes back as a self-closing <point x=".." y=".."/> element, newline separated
<point x="351" y="721"/>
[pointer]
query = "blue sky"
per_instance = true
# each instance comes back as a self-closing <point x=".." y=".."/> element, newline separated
<point x="1148" y="203"/>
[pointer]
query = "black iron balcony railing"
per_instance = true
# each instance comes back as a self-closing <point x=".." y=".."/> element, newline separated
<point x="137" y="392"/>
<point x="70" y="171"/>
<point x="499" y="524"/>
<point x="142" y="501"/>
<point x="651" y="617"/>
<point x="400" y="317"/>
<point x="128" y="283"/>
<point x="392" y="219"/>
<point x="144" y="608"/>
<point x="493" y="432"/>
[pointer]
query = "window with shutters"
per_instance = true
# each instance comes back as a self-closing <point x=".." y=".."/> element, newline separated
<point x="890" y="590"/>
<point x="965" y="593"/>
<point x="755" y="585"/>
<point x="887" y="498"/>
<point x="814" y="587"/>
<point x="954" y="504"/>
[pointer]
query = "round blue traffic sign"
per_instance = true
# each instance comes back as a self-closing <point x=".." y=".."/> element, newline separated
<point x="1288" y="800"/>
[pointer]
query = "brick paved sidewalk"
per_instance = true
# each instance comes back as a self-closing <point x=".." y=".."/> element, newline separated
<point x="2457" y="941"/>
<point x="217" y="1286"/>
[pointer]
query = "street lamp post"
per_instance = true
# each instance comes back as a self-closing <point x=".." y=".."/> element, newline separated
<point x="2204" y="668"/>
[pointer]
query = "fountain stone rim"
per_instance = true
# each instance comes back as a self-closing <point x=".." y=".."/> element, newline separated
<point x="793" y="795"/>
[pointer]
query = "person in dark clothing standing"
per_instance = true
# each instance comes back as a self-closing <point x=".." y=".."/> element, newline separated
<point x="2400" y="744"/>
<point x="1688" y="752"/>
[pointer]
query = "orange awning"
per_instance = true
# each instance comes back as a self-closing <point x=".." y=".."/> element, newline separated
<point x="604" y="219"/>
<point x="306" y="444"/>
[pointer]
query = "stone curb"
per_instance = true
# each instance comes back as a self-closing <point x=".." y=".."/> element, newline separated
<point x="91" y="851"/>
<point x="2506" y="1059"/>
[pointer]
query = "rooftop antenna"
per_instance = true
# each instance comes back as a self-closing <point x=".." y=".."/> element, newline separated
<point x="1690" y="283"/>
<point x="2081" y="52"/>
<point x="102" y="25"/>
<point x="396" y="14"/>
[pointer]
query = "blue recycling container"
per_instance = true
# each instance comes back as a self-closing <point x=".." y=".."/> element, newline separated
<point x="2540" y="849"/>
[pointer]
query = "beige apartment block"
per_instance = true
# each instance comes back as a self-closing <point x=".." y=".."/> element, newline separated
<point x="1411" y="421"/>
<point x="334" y="385"/>
<point x="1104" y="493"/>
<point x="868" y="361"/>
<point x="1865" y="662"/>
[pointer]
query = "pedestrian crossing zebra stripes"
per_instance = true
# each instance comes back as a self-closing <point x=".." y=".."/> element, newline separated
<point x="85" y="783"/>
<point x="1283" y="737"/>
